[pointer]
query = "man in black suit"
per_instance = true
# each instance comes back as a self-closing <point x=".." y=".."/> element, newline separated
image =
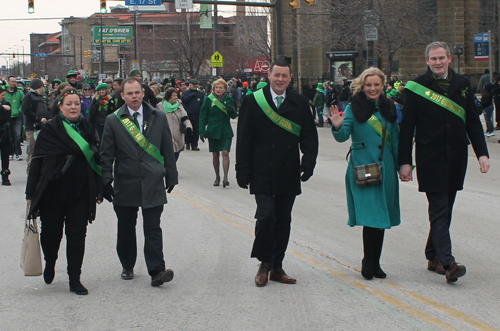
<point x="439" y="108"/>
<point x="274" y="126"/>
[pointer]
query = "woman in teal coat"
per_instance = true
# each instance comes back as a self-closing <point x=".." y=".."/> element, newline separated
<point x="376" y="208"/>
<point x="215" y="115"/>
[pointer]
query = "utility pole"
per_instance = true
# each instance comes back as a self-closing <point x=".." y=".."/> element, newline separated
<point x="81" y="52"/>
<point x="74" y="51"/>
<point x="102" y="50"/>
<point x="216" y="34"/>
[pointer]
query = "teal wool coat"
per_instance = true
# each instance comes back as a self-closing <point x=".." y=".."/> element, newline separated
<point x="214" y="123"/>
<point x="374" y="206"/>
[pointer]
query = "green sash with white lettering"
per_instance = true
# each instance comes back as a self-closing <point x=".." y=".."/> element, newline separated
<point x="273" y="116"/>
<point x="84" y="146"/>
<point x="216" y="102"/>
<point x="437" y="98"/>
<point x="139" y="138"/>
<point x="376" y="125"/>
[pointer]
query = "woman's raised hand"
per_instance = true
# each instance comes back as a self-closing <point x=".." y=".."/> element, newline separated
<point x="336" y="117"/>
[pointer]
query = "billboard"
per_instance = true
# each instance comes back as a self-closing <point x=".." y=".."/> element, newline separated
<point x="113" y="35"/>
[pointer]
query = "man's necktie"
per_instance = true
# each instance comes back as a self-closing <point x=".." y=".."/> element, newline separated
<point x="279" y="101"/>
<point x="135" y="120"/>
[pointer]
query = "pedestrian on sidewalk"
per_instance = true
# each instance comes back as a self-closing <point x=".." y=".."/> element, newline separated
<point x="215" y="125"/>
<point x="370" y="120"/>
<point x="64" y="185"/>
<point x="6" y="140"/>
<point x="275" y="127"/>
<point x="138" y="157"/>
<point x="440" y="111"/>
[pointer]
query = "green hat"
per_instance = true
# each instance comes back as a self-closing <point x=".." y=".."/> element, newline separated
<point x="101" y="86"/>
<point x="261" y="85"/>
<point x="194" y="81"/>
<point x="319" y="87"/>
<point x="71" y="73"/>
<point x="57" y="80"/>
<point x="134" y="73"/>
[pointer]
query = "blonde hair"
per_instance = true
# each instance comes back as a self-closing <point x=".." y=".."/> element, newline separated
<point x="219" y="81"/>
<point x="359" y="82"/>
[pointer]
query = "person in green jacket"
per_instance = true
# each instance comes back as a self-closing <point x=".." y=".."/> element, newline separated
<point x="215" y="114"/>
<point x="319" y="103"/>
<point x="15" y="97"/>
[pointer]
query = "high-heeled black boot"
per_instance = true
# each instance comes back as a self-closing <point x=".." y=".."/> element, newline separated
<point x="379" y="241"/>
<point x="368" y="249"/>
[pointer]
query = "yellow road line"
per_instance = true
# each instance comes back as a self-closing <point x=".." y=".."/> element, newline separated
<point x="379" y="293"/>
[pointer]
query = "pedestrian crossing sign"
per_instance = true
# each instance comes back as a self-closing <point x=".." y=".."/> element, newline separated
<point x="216" y="60"/>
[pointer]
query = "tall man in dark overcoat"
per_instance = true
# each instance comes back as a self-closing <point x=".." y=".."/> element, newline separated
<point x="439" y="108"/>
<point x="138" y="142"/>
<point x="270" y="140"/>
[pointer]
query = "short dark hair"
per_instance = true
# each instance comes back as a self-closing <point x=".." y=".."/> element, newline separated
<point x="169" y="92"/>
<point x="118" y="80"/>
<point x="129" y="81"/>
<point x="8" y="78"/>
<point x="280" y="63"/>
<point x="486" y="71"/>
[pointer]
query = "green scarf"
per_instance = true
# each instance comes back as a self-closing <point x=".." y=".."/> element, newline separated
<point x="443" y="84"/>
<point x="74" y="125"/>
<point x="170" y="108"/>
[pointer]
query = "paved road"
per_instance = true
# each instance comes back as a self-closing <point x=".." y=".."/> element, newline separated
<point x="208" y="233"/>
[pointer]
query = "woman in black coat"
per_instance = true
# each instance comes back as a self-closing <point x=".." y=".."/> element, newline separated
<point x="64" y="184"/>
<point x="6" y="140"/>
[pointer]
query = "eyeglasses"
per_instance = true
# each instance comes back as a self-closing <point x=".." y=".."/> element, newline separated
<point x="86" y="89"/>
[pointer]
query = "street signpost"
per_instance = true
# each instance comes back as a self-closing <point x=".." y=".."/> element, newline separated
<point x="371" y="33"/>
<point x="41" y="54"/>
<point x="143" y="2"/>
<point x="481" y="47"/>
<point x="183" y="4"/>
<point x="216" y="60"/>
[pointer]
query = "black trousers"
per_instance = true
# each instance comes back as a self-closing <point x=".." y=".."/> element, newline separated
<point x="496" y="100"/>
<point x="193" y="139"/>
<point x="126" y="246"/>
<point x="55" y="215"/>
<point x="272" y="229"/>
<point x="439" y="241"/>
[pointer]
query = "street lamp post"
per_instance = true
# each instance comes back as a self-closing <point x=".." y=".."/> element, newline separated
<point x="21" y="73"/>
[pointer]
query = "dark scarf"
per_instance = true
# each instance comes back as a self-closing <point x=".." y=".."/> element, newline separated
<point x="74" y="125"/>
<point x="363" y="108"/>
<point x="443" y="84"/>
<point x="53" y="140"/>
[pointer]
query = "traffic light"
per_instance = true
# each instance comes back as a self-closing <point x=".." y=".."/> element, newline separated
<point x="87" y="53"/>
<point x="31" y="6"/>
<point x="311" y="2"/>
<point x="294" y="4"/>
<point x="103" y="7"/>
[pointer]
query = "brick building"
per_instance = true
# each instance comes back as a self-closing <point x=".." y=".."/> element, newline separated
<point x="452" y="21"/>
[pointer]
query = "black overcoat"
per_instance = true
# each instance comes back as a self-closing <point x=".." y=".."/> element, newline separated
<point x="270" y="155"/>
<point x="441" y="137"/>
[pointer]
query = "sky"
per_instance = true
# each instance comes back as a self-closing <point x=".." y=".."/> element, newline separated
<point x="17" y="24"/>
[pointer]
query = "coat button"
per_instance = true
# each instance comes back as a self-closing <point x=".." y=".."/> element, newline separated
<point x="448" y="125"/>
<point x="363" y="144"/>
<point x="273" y="146"/>
<point x="379" y="146"/>
<point x="380" y="159"/>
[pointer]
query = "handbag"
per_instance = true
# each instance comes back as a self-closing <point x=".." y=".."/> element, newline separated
<point x="31" y="255"/>
<point x="370" y="174"/>
<point x="182" y="126"/>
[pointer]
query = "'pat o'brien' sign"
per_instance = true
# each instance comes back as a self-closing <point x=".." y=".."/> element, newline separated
<point x="113" y="35"/>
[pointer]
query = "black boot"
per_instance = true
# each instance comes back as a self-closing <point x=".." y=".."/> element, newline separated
<point x="5" y="177"/>
<point x="368" y="249"/>
<point x="49" y="272"/>
<point x="377" y="271"/>
<point x="76" y="286"/>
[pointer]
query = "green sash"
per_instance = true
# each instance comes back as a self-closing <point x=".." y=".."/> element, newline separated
<point x="139" y="138"/>
<point x="437" y="98"/>
<point x="273" y="116"/>
<point x="376" y="125"/>
<point x="217" y="103"/>
<point x="84" y="146"/>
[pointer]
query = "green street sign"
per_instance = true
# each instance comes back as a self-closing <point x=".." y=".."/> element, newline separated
<point x="113" y="35"/>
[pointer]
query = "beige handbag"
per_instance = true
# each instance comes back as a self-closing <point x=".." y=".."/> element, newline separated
<point x="31" y="255"/>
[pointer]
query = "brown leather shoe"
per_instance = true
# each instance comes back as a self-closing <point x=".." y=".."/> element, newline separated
<point x="279" y="275"/>
<point x="435" y="265"/>
<point x="454" y="271"/>
<point x="262" y="276"/>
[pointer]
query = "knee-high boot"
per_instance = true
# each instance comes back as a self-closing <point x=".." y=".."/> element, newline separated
<point x="379" y="241"/>
<point x="369" y="239"/>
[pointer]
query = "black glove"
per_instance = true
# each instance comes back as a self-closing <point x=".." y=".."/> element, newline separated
<point x="109" y="192"/>
<point x="170" y="188"/>
<point x="306" y="174"/>
<point x="189" y="132"/>
<point x="243" y="181"/>
<point x="202" y="138"/>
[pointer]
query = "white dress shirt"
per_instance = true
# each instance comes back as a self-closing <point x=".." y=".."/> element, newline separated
<point x="140" y="117"/>
<point x="275" y="99"/>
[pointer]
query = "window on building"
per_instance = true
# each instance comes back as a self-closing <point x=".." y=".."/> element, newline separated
<point x="427" y="17"/>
